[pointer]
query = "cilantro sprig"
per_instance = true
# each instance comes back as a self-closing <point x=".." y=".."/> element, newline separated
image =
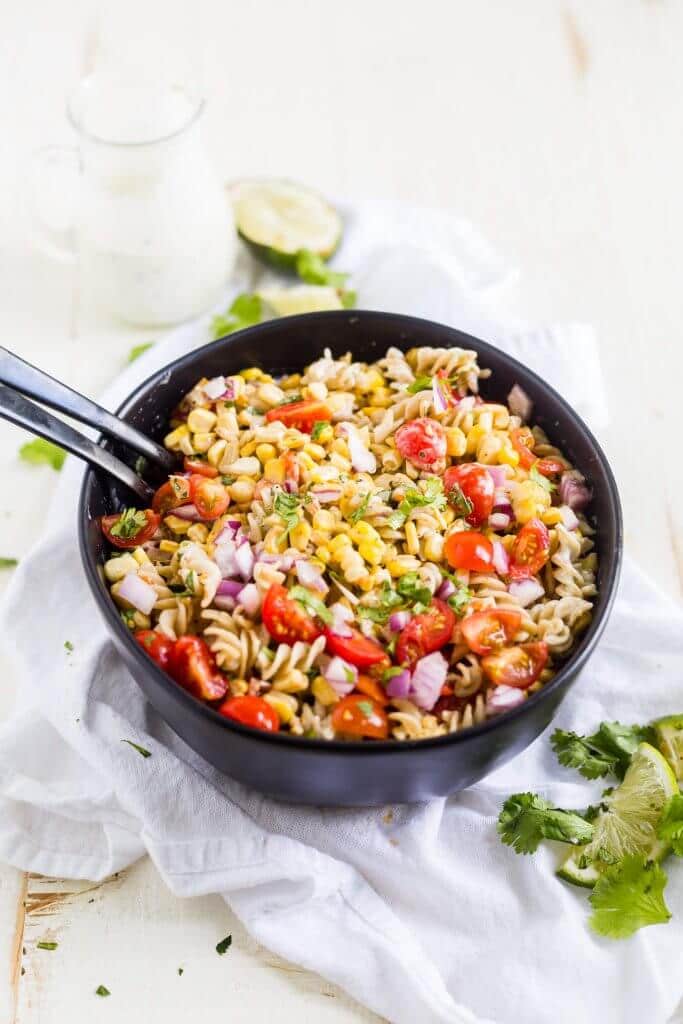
<point x="245" y="311"/>
<point x="526" y="819"/>
<point x="541" y="480"/>
<point x="629" y="896"/>
<point x="313" y="605"/>
<point x="287" y="507"/>
<point x="431" y="495"/>
<point x="129" y="523"/>
<point x="607" y="751"/>
<point x="42" y="452"/>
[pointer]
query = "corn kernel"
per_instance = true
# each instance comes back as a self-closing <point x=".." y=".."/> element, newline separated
<point x="412" y="540"/>
<point x="295" y="681"/>
<point x="282" y="704"/>
<point x="488" y="448"/>
<point x="365" y="583"/>
<point x="270" y="394"/>
<point x="300" y="535"/>
<point x="315" y="451"/>
<point x="201" y="421"/>
<point x="116" y="568"/>
<point x="247" y="466"/>
<point x="551" y="516"/>
<point x="273" y="539"/>
<point x="177" y="524"/>
<point x="264" y="452"/>
<point x="239" y="687"/>
<point x="323" y="691"/>
<point x="474" y="436"/>
<point x="305" y="461"/>
<point x="170" y="546"/>
<point x="198" y="532"/>
<point x="242" y="490"/>
<point x="371" y="551"/>
<point x="216" y="452"/>
<point x="317" y="389"/>
<point x="382" y="398"/>
<point x="370" y="380"/>
<point x="323" y="553"/>
<point x="456" y="442"/>
<point x="293" y="439"/>
<point x="323" y="520"/>
<point x="292" y="381"/>
<point x="364" y="531"/>
<point x="338" y="543"/>
<point x="173" y="439"/>
<point x="274" y="470"/>
<point x="340" y="463"/>
<point x="433" y="545"/>
<point x="325" y="434"/>
<point x="252" y="373"/>
<point x="202" y="442"/>
<point x="507" y="456"/>
<point x="249" y="448"/>
<point x="141" y="556"/>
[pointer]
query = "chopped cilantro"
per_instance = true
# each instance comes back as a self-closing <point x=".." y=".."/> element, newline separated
<point x="140" y="750"/>
<point x="349" y="674"/>
<point x="180" y="970"/>
<point x="629" y="896"/>
<point x="388" y="600"/>
<point x="462" y="596"/>
<point x="8" y="563"/>
<point x="224" y="945"/>
<point x="102" y="991"/>
<point x="419" y="384"/>
<point x="47" y="945"/>
<point x="287" y="507"/>
<point x="226" y="480"/>
<point x="389" y="673"/>
<point x="129" y="523"/>
<point x="526" y="819"/>
<point x="607" y="750"/>
<point x="290" y="399"/>
<point x="190" y="582"/>
<point x="366" y="707"/>
<point x="414" y="498"/>
<point x="359" y="512"/>
<point x="541" y="480"/>
<point x="411" y="587"/>
<point x="40" y="451"/>
<point x="671" y="825"/>
<point x="245" y="311"/>
<point x="460" y="502"/>
<point x="318" y="428"/>
<point x="138" y="350"/>
<point x="348" y="298"/>
<point x="312" y="604"/>
<point x="313" y="270"/>
<point x="68" y="646"/>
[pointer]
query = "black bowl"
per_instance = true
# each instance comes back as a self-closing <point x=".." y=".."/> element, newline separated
<point x="334" y="772"/>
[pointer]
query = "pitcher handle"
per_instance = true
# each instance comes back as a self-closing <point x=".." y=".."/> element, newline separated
<point x="52" y="187"/>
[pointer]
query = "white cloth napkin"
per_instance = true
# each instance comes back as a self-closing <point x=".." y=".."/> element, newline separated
<point x="418" y="911"/>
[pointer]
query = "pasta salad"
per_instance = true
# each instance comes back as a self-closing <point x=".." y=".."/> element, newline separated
<point x="359" y="551"/>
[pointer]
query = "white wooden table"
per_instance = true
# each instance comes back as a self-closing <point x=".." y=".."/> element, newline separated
<point x="556" y="128"/>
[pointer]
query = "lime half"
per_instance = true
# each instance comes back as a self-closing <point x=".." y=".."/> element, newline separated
<point x="279" y="218"/>
<point x="302" y="298"/>
<point x="628" y="824"/>
<point x="669" y="733"/>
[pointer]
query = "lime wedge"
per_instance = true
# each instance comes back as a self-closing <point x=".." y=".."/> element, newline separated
<point x="303" y="298"/>
<point x="628" y="824"/>
<point x="669" y="733"/>
<point x="279" y="218"/>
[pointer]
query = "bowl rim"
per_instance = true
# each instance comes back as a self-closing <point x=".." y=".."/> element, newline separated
<point x="565" y="675"/>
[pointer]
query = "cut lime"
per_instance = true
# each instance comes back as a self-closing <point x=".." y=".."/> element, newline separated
<point x="628" y="824"/>
<point x="303" y="298"/>
<point x="669" y="733"/>
<point x="280" y="218"/>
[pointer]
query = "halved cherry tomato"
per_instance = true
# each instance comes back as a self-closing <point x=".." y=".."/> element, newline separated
<point x="285" y="619"/>
<point x="197" y="466"/>
<point x="175" y="492"/>
<point x="530" y="550"/>
<point x="425" y="633"/>
<point x="158" y="646"/>
<point x="469" y="550"/>
<point x="193" y="666"/>
<point x="550" y="466"/>
<point x="485" y="631"/>
<point x="252" y="711"/>
<point x="372" y="688"/>
<point x="142" y="532"/>
<point x="209" y="497"/>
<point x="516" y="666"/>
<point x="422" y="442"/>
<point x="360" y="716"/>
<point x="357" y="649"/>
<point x="523" y="442"/>
<point x="301" y="415"/>
<point x="475" y="484"/>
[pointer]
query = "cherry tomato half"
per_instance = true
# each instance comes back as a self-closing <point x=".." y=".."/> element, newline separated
<point x="127" y="530"/>
<point x="422" y="442"/>
<point x="361" y="717"/>
<point x="357" y="649"/>
<point x="425" y="633"/>
<point x="285" y="619"/>
<point x="550" y="467"/>
<point x="252" y="711"/>
<point x="530" y="550"/>
<point x="469" y="550"/>
<point x="193" y="666"/>
<point x="475" y="485"/>
<point x="301" y="415"/>
<point x="486" y="631"/>
<point x="209" y="496"/>
<point x="158" y="646"/>
<point x="175" y="492"/>
<point x="516" y="666"/>
<point x="200" y="467"/>
<point x="523" y="442"/>
<point x="372" y="688"/>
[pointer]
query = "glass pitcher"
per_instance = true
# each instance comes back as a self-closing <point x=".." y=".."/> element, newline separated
<point x="141" y="209"/>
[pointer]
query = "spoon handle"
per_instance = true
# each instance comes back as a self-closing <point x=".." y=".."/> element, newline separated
<point x="24" y="413"/>
<point x="39" y="385"/>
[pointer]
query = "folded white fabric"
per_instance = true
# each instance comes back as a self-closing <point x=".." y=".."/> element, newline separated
<point x="418" y="911"/>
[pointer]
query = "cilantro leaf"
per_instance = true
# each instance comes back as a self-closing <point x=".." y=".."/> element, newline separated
<point x="68" y="646"/>
<point x="526" y="819"/>
<point x="671" y="825"/>
<point x="287" y="507"/>
<point x="313" y="270"/>
<point x="130" y="522"/>
<point x="419" y="384"/>
<point x="313" y="605"/>
<point x="359" y="512"/>
<point x="224" y="945"/>
<point x="411" y="587"/>
<point x="138" y="350"/>
<point x="318" y="428"/>
<point x="608" y="750"/>
<point x="460" y="502"/>
<point x="140" y="750"/>
<point x="348" y="297"/>
<point x="245" y="311"/>
<point x="366" y="707"/>
<point x="40" y="451"/>
<point x="459" y="600"/>
<point x="414" y="498"/>
<point x="8" y="563"/>
<point x="541" y="480"/>
<point x="629" y="896"/>
<point x="47" y="945"/>
<point x="102" y="991"/>
<point x="388" y="600"/>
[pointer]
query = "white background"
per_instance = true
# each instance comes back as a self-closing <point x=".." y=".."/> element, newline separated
<point x="555" y="127"/>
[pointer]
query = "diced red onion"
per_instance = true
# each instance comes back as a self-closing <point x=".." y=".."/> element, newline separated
<point x="362" y="460"/>
<point x="341" y="616"/>
<point x="497" y="474"/>
<point x="526" y="591"/>
<point x="244" y="560"/>
<point x="229" y="588"/>
<point x="326" y="495"/>
<point x="231" y="529"/>
<point x="215" y="388"/>
<point x="399" y="621"/>
<point x="309" y="576"/>
<point x="499" y="520"/>
<point x="501" y="500"/>
<point x="438" y="400"/>
<point x="138" y="593"/>
<point x="429" y="676"/>
<point x="224" y="553"/>
<point x="569" y="518"/>
<point x="503" y="698"/>
<point x="341" y="675"/>
<point x="187" y="512"/>
<point x="519" y="403"/>
<point x="250" y="598"/>
<point x="224" y="603"/>
<point x="574" y="492"/>
<point x="501" y="561"/>
<point x="446" y="590"/>
<point x="399" y="685"/>
<point x="282" y="562"/>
